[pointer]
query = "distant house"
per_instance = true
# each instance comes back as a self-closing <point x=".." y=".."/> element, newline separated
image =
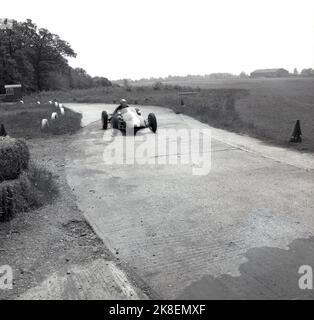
<point x="13" y="92"/>
<point x="270" y="73"/>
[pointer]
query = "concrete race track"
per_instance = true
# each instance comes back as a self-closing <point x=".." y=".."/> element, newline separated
<point x="242" y="231"/>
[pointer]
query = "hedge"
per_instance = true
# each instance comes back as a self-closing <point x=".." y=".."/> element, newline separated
<point x="14" y="157"/>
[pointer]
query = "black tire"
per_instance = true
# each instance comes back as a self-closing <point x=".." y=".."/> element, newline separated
<point x="152" y="122"/>
<point x="104" y="119"/>
<point x="114" y="123"/>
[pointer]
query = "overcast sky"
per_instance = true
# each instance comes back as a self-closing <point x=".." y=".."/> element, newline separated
<point x="144" y="38"/>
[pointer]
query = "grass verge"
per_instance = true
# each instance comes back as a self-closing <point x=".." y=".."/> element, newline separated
<point x="24" y="120"/>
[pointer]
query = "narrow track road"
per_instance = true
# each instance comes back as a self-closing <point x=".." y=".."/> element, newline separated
<point x="242" y="231"/>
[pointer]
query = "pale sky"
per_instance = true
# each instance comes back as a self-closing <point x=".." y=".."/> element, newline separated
<point x="144" y="38"/>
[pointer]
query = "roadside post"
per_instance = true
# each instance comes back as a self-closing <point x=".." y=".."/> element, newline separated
<point x="182" y="94"/>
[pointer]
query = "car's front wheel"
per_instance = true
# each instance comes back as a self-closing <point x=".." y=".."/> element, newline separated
<point x="104" y="119"/>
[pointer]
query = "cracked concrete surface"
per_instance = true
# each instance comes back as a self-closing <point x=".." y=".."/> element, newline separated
<point x="175" y="229"/>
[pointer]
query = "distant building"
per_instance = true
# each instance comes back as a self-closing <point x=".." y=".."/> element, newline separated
<point x="270" y="73"/>
<point x="13" y="92"/>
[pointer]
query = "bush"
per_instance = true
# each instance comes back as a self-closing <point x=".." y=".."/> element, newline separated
<point x="157" y="86"/>
<point x="32" y="189"/>
<point x="42" y="184"/>
<point x="14" y="157"/>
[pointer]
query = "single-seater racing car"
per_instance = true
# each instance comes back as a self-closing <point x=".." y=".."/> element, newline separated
<point x="129" y="119"/>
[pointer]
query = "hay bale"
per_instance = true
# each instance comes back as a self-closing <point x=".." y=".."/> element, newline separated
<point x="14" y="157"/>
<point x="33" y="188"/>
<point x="54" y="116"/>
<point x="16" y="196"/>
<point x="7" y="207"/>
<point x="44" y="124"/>
<point x="12" y="199"/>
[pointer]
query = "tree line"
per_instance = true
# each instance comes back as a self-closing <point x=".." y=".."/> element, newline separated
<point x="37" y="59"/>
<point x="307" y="72"/>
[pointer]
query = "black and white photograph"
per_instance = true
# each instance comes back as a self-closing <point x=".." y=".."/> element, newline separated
<point x="156" y="151"/>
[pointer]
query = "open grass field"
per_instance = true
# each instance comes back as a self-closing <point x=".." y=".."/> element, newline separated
<point x="272" y="106"/>
<point x="263" y="108"/>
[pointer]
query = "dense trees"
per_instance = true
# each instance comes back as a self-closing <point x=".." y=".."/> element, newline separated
<point x="37" y="58"/>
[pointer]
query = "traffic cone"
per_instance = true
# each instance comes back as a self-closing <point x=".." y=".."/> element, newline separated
<point x="3" y="133"/>
<point x="296" y="134"/>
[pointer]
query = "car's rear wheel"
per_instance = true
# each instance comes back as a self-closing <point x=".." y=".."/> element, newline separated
<point x="152" y="122"/>
<point x="104" y="119"/>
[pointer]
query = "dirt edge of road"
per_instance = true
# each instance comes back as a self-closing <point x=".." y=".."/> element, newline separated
<point x="53" y="251"/>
